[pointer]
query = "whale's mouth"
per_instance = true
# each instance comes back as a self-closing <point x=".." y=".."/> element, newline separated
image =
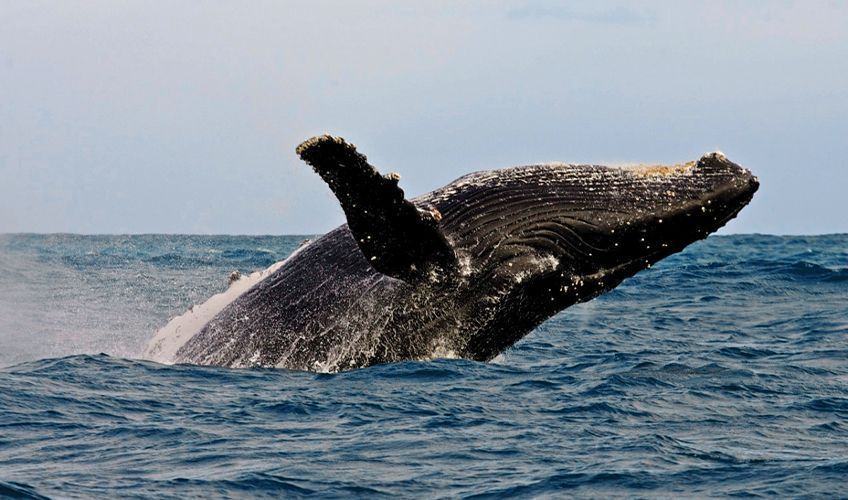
<point x="585" y="287"/>
<point x="641" y="243"/>
<point x="589" y="218"/>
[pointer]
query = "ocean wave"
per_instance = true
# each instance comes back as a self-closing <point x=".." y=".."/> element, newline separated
<point x="719" y="372"/>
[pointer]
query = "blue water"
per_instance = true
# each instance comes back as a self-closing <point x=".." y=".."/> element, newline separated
<point x="721" y="371"/>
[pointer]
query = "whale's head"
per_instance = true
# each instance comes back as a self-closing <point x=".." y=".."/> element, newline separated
<point x="544" y="237"/>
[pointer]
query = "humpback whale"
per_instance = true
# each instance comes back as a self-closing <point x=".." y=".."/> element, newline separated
<point x="463" y="271"/>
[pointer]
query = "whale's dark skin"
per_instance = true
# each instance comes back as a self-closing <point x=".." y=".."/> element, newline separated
<point x="468" y="269"/>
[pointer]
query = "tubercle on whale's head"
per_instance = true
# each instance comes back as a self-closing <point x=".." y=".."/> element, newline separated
<point x="689" y="204"/>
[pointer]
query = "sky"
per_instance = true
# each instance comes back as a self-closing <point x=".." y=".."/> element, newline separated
<point x="183" y="117"/>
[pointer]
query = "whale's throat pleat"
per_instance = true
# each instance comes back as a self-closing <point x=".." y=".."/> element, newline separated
<point x="396" y="237"/>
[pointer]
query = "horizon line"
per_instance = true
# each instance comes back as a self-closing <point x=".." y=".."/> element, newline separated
<point x="66" y="233"/>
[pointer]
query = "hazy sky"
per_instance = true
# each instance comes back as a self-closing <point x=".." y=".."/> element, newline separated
<point x="183" y="116"/>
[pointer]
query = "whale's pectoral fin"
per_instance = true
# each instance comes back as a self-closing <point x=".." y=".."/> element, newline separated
<point x="398" y="238"/>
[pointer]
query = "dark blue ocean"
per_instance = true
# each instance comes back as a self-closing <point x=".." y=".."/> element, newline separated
<point x="721" y="371"/>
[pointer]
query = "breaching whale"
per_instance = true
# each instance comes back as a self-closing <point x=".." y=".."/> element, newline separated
<point x="465" y="270"/>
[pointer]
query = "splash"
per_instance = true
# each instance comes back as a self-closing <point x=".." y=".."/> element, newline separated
<point x="165" y="343"/>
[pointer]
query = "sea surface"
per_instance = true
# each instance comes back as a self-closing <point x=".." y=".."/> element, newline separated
<point x="721" y="371"/>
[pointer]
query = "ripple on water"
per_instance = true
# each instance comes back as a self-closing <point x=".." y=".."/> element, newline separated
<point x="719" y="372"/>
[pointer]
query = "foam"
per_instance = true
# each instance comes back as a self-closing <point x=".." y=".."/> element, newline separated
<point x="163" y="347"/>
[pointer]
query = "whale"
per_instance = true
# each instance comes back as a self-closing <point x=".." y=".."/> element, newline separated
<point x="464" y="271"/>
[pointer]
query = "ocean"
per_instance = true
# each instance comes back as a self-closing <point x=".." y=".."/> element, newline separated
<point x="721" y="371"/>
